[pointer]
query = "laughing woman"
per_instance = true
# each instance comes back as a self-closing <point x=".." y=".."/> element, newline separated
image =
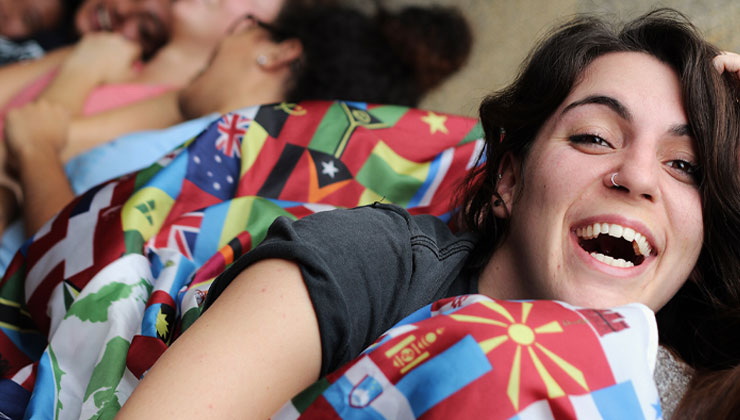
<point x="609" y="177"/>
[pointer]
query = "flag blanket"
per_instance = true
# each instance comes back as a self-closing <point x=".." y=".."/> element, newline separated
<point x="94" y="298"/>
<point x="474" y="357"/>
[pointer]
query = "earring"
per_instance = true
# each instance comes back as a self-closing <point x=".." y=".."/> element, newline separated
<point x="261" y="60"/>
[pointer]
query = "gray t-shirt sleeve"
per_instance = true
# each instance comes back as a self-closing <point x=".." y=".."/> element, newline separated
<point x="365" y="269"/>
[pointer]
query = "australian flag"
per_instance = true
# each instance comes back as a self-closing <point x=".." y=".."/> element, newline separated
<point x="214" y="160"/>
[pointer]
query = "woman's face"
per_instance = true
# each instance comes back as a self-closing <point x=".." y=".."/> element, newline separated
<point x="207" y="21"/>
<point x="626" y="118"/>
<point x="220" y="81"/>
<point x="146" y="22"/>
<point x="21" y="19"/>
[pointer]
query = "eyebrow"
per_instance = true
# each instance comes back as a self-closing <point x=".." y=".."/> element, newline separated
<point x="607" y="101"/>
<point x="677" y="130"/>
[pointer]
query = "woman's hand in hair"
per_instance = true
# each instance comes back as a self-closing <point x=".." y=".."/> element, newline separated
<point x="727" y="61"/>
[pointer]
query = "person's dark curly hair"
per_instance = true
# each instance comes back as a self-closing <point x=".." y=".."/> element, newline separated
<point x="392" y="58"/>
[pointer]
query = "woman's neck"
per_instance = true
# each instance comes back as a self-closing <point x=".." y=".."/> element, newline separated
<point x="498" y="279"/>
<point x="175" y="64"/>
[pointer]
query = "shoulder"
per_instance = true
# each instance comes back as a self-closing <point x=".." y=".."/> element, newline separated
<point x="382" y="219"/>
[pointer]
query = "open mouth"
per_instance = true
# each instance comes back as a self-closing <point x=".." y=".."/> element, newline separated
<point x="614" y="244"/>
<point x="103" y="18"/>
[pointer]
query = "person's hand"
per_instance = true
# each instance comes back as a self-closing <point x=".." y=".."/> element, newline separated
<point x="39" y="127"/>
<point x="727" y="61"/>
<point x="104" y="57"/>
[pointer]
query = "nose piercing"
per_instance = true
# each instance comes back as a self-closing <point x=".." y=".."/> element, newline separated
<point x="614" y="182"/>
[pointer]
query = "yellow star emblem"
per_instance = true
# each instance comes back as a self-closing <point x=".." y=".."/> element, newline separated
<point x="161" y="324"/>
<point x="435" y="122"/>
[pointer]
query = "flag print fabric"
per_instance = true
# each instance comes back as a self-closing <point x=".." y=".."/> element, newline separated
<point x="93" y="299"/>
<point x="475" y="357"/>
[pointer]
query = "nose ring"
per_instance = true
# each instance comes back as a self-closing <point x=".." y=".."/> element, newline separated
<point x="614" y="183"/>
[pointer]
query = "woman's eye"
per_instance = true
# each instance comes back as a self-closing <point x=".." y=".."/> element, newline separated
<point x="589" y="140"/>
<point x="683" y="166"/>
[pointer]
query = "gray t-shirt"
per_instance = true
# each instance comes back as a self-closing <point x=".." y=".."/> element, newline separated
<point x="365" y="269"/>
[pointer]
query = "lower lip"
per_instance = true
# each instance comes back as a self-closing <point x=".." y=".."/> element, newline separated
<point x="597" y="265"/>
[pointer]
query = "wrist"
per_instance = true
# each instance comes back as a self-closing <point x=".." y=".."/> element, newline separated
<point x="76" y="74"/>
<point x="35" y="155"/>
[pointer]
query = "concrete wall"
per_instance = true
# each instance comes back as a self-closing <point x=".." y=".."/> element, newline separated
<point x="505" y="30"/>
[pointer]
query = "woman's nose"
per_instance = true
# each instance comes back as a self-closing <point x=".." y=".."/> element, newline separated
<point x="636" y="175"/>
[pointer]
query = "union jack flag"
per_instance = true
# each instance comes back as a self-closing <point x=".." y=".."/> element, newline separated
<point x="231" y="129"/>
<point x="180" y="235"/>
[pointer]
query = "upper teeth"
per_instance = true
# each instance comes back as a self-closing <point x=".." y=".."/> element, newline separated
<point x="104" y="19"/>
<point x="639" y="242"/>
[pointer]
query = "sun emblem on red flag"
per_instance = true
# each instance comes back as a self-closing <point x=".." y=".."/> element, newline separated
<point x="526" y="339"/>
<point x="231" y="129"/>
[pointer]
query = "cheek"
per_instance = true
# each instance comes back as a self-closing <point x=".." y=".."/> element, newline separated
<point x="267" y="10"/>
<point x="83" y="16"/>
<point x="130" y="31"/>
<point x="686" y="218"/>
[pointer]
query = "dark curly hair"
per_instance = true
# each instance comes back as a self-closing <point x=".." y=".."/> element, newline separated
<point x="392" y="58"/>
<point x="512" y="117"/>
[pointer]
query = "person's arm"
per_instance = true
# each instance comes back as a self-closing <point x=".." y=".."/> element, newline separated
<point x="35" y="133"/>
<point x="255" y="348"/>
<point x="87" y="132"/>
<point x="16" y="76"/>
<point x="98" y="58"/>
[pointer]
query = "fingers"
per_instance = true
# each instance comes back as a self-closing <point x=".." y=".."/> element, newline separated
<point x="104" y="56"/>
<point x="727" y="61"/>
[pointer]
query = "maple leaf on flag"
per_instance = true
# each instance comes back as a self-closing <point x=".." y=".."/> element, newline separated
<point x="231" y="129"/>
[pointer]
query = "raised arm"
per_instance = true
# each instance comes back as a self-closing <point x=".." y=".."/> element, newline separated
<point x="250" y="352"/>
<point x="100" y="57"/>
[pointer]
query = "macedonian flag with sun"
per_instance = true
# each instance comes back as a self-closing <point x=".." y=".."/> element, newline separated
<point x="474" y="357"/>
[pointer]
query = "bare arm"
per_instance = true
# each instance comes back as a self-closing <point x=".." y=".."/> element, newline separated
<point x="252" y="351"/>
<point x="14" y="77"/>
<point x="150" y="114"/>
<point x="98" y="58"/>
<point x="34" y="134"/>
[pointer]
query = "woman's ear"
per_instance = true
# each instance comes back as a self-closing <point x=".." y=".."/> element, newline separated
<point x="281" y="54"/>
<point x="506" y="188"/>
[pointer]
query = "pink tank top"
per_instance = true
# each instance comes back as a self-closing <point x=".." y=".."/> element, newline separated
<point x="101" y="99"/>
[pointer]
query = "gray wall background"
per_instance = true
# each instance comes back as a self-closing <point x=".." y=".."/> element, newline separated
<point x="505" y="30"/>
